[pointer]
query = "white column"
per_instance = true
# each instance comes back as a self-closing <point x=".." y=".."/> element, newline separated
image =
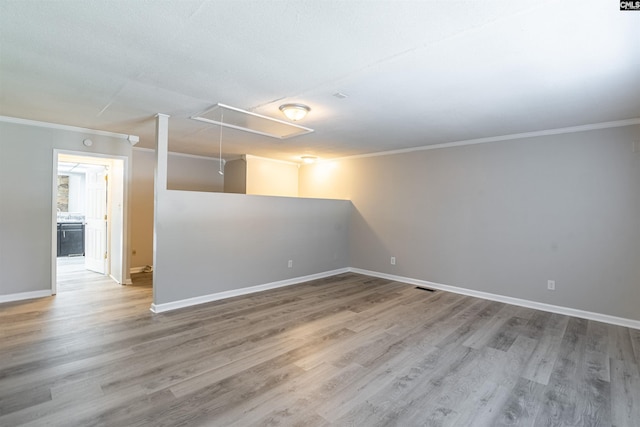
<point x="160" y="186"/>
<point x="162" y="151"/>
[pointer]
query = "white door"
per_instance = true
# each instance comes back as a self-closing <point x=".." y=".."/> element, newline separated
<point x="95" y="237"/>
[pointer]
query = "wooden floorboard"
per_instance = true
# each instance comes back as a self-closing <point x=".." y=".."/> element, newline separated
<point x="338" y="351"/>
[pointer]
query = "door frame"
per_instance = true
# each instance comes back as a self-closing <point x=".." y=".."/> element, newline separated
<point x="121" y="237"/>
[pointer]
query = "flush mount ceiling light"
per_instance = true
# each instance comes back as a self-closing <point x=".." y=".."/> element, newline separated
<point x="294" y="112"/>
<point x="309" y="159"/>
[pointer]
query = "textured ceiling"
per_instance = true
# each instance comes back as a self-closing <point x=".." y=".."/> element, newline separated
<point x="416" y="73"/>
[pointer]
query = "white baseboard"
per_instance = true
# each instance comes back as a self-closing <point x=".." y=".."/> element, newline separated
<point x="134" y="270"/>
<point x="159" y="308"/>
<point x="124" y="281"/>
<point x="605" y="318"/>
<point x="25" y="295"/>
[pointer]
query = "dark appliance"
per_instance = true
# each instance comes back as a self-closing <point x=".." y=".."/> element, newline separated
<point x="70" y="238"/>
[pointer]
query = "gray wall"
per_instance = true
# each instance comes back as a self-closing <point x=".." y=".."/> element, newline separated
<point x="194" y="173"/>
<point x="185" y="173"/>
<point x="26" y="174"/>
<point x="235" y="176"/>
<point x="502" y="217"/>
<point x="214" y="242"/>
<point x="142" y="208"/>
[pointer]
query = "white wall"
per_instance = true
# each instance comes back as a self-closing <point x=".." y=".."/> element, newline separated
<point x="502" y="217"/>
<point x="271" y="177"/>
<point x="76" y="192"/>
<point x="26" y="187"/>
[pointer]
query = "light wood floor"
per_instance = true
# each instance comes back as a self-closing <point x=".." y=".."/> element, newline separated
<point x="346" y="350"/>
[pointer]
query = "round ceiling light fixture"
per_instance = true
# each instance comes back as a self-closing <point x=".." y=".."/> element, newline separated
<point x="294" y="112"/>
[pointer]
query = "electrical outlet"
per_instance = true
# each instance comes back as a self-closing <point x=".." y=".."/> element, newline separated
<point x="393" y="260"/>
<point x="551" y="285"/>
<point x="290" y="263"/>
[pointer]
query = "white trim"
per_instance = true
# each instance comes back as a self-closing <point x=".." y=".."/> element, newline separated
<point x="251" y="156"/>
<point x="159" y="308"/>
<point x="116" y="280"/>
<point x="25" y="295"/>
<point x="547" y="132"/>
<point x="54" y="224"/>
<point x="146" y="150"/>
<point x="614" y="320"/>
<point x="605" y="318"/>
<point x="173" y="153"/>
<point x="134" y="270"/>
<point x="132" y="139"/>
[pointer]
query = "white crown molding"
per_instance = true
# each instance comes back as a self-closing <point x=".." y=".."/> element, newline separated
<point x="173" y="153"/>
<point x="25" y="295"/>
<point x="251" y="156"/>
<point x="174" y="305"/>
<point x="132" y="139"/>
<point x="515" y="136"/>
<point x="605" y="318"/>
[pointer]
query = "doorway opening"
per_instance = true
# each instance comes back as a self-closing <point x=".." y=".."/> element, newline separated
<point x="89" y="216"/>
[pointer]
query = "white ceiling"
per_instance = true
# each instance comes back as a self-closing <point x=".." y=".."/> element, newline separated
<point x="416" y="73"/>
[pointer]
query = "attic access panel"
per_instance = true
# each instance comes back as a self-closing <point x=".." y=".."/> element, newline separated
<point x="236" y="118"/>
